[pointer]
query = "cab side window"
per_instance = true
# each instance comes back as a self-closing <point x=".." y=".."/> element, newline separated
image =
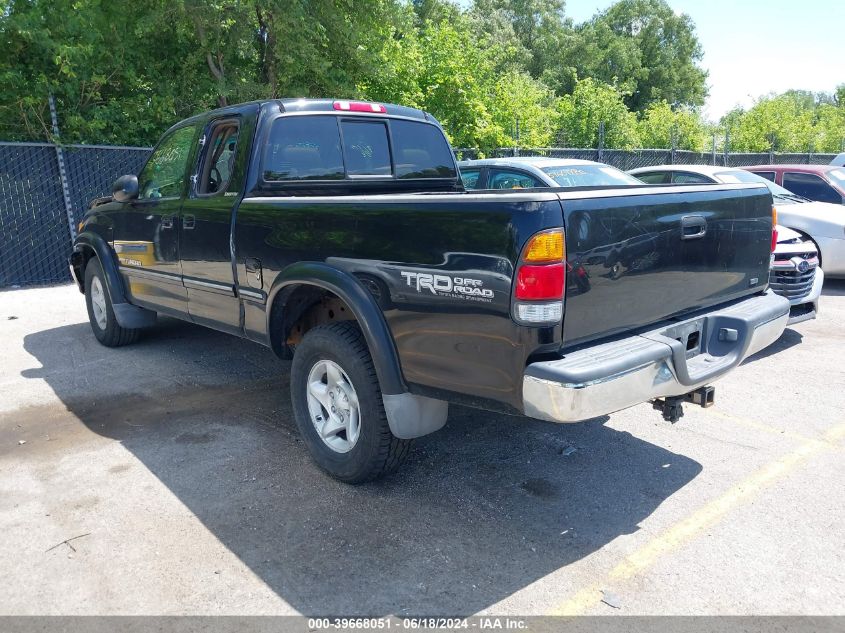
<point x="504" y="179"/>
<point x="811" y="186"/>
<point x="216" y="171"/>
<point x="687" y="178"/>
<point x="653" y="178"/>
<point x="164" y="174"/>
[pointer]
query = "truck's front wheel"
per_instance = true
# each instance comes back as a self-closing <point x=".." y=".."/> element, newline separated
<point x="100" y="312"/>
<point x="338" y="406"/>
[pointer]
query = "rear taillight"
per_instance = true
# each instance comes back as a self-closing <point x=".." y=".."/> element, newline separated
<point x="359" y="106"/>
<point x="540" y="279"/>
<point x="774" y="228"/>
<point x="539" y="283"/>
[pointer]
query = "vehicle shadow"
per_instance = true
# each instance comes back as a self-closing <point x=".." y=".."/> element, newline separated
<point x="482" y="509"/>
<point x="833" y="287"/>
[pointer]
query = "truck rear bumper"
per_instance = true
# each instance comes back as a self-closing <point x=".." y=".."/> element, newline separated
<point x="671" y="360"/>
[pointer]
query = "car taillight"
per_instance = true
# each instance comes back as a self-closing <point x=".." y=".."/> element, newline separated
<point x="774" y="228"/>
<point x="540" y="278"/>
<point x="539" y="283"/>
<point x="359" y="106"/>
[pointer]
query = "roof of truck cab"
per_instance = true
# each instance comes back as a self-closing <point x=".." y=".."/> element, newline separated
<point x="309" y="105"/>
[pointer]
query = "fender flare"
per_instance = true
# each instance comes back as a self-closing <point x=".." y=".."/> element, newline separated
<point x="107" y="260"/>
<point x="127" y="315"/>
<point x="363" y="306"/>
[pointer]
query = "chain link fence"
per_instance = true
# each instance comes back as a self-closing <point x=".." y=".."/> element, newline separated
<point x="45" y="190"/>
<point x="38" y="215"/>
<point x="631" y="159"/>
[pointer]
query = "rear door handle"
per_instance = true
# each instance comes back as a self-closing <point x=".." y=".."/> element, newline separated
<point x="693" y="227"/>
<point x="167" y="222"/>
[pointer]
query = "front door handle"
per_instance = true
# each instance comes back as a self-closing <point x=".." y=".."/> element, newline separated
<point x="693" y="227"/>
<point x="167" y="222"/>
<point x="189" y="222"/>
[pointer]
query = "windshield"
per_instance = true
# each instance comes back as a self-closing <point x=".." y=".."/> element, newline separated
<point x="740" y="175"/>
<point x="589" y="176"/>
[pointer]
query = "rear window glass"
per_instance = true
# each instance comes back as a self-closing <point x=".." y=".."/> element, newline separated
<point x="653" y="178"/>
<point x="589" y="176"/>
<point x="768" y="175"/>
<point x="421" y="151"/>
<point x="310" y="148"/>
<point x="837" y="176"/>
<point x="365" y="148"/>
<point x="303" y="148"/>
<point x="470" y="178"/>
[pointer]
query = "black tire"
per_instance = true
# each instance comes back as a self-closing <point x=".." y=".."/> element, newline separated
<point x="377" y="452"/>
<point x="112" y="335"/>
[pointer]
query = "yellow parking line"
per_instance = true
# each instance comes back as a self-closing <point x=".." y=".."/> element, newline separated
<point x="760" y="426"/>
<point x="705" y="517"/>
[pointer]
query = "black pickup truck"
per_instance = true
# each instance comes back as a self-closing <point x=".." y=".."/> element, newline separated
<point x="338" y="234"/>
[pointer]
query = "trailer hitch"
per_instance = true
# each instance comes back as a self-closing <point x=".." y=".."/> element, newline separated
<point x="672" y="406"/>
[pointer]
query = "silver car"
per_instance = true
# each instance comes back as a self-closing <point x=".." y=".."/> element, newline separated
<point x="532" y="171"/>
<point x="795" y="272"/>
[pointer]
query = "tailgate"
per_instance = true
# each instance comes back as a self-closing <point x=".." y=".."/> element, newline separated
<point x="640" y="256"/>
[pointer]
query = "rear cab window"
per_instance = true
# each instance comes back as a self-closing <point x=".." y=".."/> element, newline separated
<point x="768" y="175"/>
<point x="336" y="148"/>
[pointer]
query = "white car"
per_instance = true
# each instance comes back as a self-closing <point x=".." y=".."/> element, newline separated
<point x="810" y="234"/>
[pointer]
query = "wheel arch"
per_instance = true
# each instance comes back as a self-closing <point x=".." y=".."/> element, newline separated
<point x="296" y="288"/>
<point x="88" y="245"/>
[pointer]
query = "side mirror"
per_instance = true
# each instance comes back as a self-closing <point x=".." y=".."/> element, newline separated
<point x="125" y="188"/>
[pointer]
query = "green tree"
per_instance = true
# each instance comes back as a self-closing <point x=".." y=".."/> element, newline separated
<point x="645" y="47"/>
<point x="518" y="97"/>
<point x="782" y="123"/>
<point x="660" y="126"/>
<point x="592" y="102"/>
<point x="534" y="29"/>
<point x="829" y="129"/>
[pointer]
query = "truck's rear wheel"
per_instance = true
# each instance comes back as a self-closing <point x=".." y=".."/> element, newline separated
<point x="100" y="312"/>
<point x="338" y="406"/>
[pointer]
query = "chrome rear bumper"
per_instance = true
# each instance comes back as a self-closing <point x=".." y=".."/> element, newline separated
<point x="671" y="360"/>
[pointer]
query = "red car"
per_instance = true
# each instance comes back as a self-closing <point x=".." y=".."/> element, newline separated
<point x="825" y="183"/>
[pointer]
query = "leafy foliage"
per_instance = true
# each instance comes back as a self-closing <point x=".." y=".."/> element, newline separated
<point x="661" y="126"/>
<point x="795" y="121"/>
<point x="590" y="104"/>
<point x="485" y="69"/>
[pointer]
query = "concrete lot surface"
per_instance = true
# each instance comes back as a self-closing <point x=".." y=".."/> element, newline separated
<point x="167" y="478"/>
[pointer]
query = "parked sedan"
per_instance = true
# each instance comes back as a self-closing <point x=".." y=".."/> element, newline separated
<point x="823" y="183"/>
<point x="536" y="171"/>
<point x="796" y="273"/>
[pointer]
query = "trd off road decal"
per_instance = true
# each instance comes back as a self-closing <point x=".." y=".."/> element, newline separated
<point x="448" y="286"/>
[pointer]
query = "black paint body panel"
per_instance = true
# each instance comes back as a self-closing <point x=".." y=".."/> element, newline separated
<point x="437" y="266"/>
